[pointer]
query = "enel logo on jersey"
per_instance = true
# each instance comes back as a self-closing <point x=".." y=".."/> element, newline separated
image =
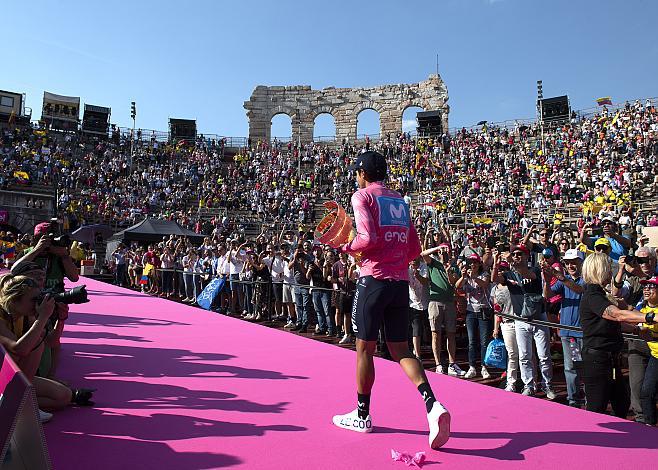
<point x="393" y="211"/>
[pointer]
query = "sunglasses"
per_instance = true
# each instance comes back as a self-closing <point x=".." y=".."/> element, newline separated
<point x="601" y="248"/>
<point x="642" y="259"/>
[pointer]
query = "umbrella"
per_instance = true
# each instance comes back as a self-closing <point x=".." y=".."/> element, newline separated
<point x="88" y="233"/>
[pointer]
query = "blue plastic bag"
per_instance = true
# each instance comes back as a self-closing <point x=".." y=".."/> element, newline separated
<point x="496" y="355"/>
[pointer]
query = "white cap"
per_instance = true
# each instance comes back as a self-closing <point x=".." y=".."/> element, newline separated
<point x="574" y="254"/>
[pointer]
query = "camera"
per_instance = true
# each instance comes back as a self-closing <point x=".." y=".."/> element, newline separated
<point x="62" y="240"/>
<point x="77" y="295"/>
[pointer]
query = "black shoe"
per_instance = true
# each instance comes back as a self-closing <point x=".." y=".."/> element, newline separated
<point x="320" y="333"/>
<point x="331" y="334"/>
<point x="297" y="327"/>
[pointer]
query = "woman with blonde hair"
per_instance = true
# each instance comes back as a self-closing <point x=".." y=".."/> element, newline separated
<point x="23" y="329"/>
<point x="601" y="317"/>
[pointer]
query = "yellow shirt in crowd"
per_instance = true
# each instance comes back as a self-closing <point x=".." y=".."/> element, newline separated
<point x="653" y="345"/>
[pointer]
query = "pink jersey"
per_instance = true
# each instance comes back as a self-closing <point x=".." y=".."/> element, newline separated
<point x="385" y="235"/>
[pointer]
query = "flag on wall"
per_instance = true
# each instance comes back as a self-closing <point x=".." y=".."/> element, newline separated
<point x="603" y="101"/>
<point x="21" y="176"/>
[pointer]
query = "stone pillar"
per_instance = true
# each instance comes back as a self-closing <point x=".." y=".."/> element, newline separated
<point x="444" y="118"/>
<point x="390" y="122"/>
<point x="259" y="128"/>
<point x="346" y="129"/>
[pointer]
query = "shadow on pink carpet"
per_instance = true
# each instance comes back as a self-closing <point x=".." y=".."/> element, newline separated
<point x="182" y="388"/>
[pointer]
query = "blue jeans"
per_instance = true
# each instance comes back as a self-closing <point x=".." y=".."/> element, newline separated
<point x="575" y="393"/>
<point x="190" y="288"/>
<point x="648" y="393"/>
<point x="477" y="325"/>
<point x="302" y="306"/>
<point x="322" y="305"/>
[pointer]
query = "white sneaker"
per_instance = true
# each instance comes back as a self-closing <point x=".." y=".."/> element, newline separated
<point x="289" y="325"/>
<point x="345" y="339"/>
<point x="44" y="416"/>
<point x="455" y="370"/>
<point x="317" y="328"/>
<point x="550" y="394"/>
<point x="471" y="373"/>
<point x="485" y="373"/>
<point x="510" y="388"/>
<point x="439" y="421"/>
<point x="352" y="422"/>
<point x="440" y="369"/>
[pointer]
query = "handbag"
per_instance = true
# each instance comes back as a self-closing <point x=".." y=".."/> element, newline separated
<point x="533" y="304"/>
<point x="496" y="354"/>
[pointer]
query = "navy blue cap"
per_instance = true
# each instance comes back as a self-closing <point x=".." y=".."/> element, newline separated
<point x="373" y="163"/>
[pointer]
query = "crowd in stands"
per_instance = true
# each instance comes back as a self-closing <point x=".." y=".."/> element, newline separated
<point x="473" y="273"/>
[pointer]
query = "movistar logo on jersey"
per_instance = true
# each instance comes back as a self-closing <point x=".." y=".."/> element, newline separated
<point x="393" y="211"/>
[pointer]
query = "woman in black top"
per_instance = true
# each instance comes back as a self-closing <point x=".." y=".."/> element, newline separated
<point x="601" y="317"/>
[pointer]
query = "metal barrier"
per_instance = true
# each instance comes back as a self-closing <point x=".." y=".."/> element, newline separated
<point x="556" y="326"/>
<point x="259" y="301"/>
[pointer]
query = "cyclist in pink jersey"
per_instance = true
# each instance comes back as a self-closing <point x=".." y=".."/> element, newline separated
<point x="388" y="242"/>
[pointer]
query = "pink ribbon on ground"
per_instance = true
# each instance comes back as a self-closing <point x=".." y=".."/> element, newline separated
<point x="417" y="460"/>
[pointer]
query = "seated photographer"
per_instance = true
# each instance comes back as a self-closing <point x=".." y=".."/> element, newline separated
<point x="24" y="316"/>
<point x="54" y="258"/>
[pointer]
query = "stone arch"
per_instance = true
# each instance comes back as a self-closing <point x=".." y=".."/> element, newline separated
<point x="369" y="104"/>
<point x="404" y="108"/>
<point x="281" y="113"/>
<point x="411" y="104"/>
<point x="323" y="109"/>
<point x="304" y="104"/>
<point x="360" y="112"/>
<point x="319" y="135"/>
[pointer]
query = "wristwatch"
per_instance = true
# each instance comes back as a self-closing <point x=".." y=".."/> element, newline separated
<point x="649" y="317"/>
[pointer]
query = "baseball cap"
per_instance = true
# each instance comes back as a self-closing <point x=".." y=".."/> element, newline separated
<point x="547" y="252"/>
<point x="652" y="280"/>
<point x="574" y="254"/>
<point x="474" y="257"/>
<point x="602" y="241"/>
<point x="373" y="163"/>
<point x="608" y="219"/>
<point x="522" y="248"/>
<point x="43" y="227"/>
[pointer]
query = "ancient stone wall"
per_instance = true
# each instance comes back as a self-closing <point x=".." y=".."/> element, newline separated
<point x="303" y="105"/>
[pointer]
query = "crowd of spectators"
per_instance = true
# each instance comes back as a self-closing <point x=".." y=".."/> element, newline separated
<point x="473" y="273"/>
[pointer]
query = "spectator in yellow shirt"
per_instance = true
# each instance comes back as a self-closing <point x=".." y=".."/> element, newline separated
<point x="650" y="384"/>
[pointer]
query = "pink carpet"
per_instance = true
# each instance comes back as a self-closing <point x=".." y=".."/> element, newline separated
<point x="182" y="388"/>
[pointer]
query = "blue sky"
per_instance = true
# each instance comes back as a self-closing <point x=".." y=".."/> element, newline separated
<point x="202" y="59"/>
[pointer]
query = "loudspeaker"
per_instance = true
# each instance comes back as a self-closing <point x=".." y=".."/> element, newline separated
<point x="429" y="123"/>
<point x="182" y="129"/>
<point x="555" y="109"/>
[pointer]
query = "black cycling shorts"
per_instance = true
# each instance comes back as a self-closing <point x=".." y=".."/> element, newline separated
<point x="378" y="301"/>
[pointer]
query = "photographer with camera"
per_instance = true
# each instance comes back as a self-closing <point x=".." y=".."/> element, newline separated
<point x="52" y="255"/>
<point x="24" y="319"/>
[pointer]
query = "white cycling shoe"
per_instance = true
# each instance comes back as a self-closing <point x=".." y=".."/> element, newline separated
<point x="439" y="421"/>
<point x="352" y="422"/>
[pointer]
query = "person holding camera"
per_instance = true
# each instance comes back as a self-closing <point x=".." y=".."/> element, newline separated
<point x="526" y="291"/>
<point x="55" y="259"/>
<point x="24" y="316"/>
<point x="299" y="265"/>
